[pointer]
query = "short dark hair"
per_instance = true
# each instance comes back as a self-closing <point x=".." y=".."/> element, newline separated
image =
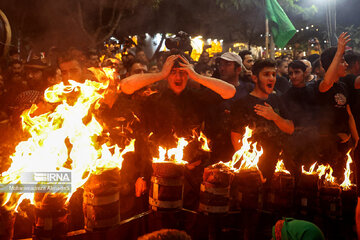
<point x="297" y="64"/>
<point x="132" y="62"/>
<point x="327" y="57"/>
<point x="261" y="64"/>
<point x="279" y="62"/>
<point x="351" y="58"/>
<point x="243" y="53"/>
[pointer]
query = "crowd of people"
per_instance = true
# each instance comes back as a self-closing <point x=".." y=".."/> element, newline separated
<point x="303" y="110"/>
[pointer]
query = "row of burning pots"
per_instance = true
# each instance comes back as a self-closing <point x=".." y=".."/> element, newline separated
<point x="221" y="191"/>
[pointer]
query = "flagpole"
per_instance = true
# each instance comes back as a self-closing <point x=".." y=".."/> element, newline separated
<point x="267" y="37"/>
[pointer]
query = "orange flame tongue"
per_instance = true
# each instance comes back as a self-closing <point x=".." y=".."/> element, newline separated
<point x="65" y="139"/>
<point x="346" y="184"/>
<point x="205" y="146"/>
<point x="280" y="167"/>
<point x="174" y="155"/>
<point x="311" y="170"/>
<point x="248" y="153"/>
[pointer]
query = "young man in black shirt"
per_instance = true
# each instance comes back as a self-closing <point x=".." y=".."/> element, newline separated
<point x="301" y="104"/>
<point x="176" y="109"/>
<point x="335" y="119"/>
<point x="263" y="112"/>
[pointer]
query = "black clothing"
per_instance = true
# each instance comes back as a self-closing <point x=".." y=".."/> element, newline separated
<point x="332" y="115"/>
<point x="301" y="147"/>
<point x="218" y="124"/>
<point x="165" y="113"/>
<point x="332" y="119"/>
<point x="265" y="132"/>
<point x="282" y="85"/>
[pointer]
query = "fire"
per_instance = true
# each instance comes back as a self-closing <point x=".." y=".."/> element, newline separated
<point x="65" y="139"/>
<point x="329" y="177"/>
<point x="204" y="141"/>
<point x="174" y="155"/>
<point x="346" y="184"/>
<point x="326" y="171"/>
<point x="311" y="170"/>
<point x="248" y="153"/>
<point x="280" y="167"/>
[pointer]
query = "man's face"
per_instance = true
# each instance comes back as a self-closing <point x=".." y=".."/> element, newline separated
<point x="297" y="77"/>
<point x="154" y="69"/>
<point x="94" y="61"/>
<point x="227" y="70"/>
<point x="141" y="56"/>
<point x="283" y="68"/>
<point x="266" y="80"/>
<point x="138" y="68"/>
<point x="17" y="68"/>
<point x="205" y="57"/>
<point x="248" y="61"/>
<point x="341" y="70"/>
<point x="71" y="70"/>
<point x="177" y="80"/>
<point x="34" y="75"/>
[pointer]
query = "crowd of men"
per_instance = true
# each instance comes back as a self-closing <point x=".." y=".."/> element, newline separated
<point x="300" y="110"/>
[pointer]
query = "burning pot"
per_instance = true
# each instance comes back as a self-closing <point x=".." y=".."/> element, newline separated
<point x="101" y="204"/>
<point x="282" y="188"/>
<point x="50" y="217"/>
<point x="215" y="189"/>
<point x="166" y="190"/>
<point x="246" y="190"/>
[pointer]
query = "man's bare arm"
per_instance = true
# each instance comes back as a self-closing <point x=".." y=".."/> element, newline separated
<point x="135" y="82"/>
<point x="331" y="74"/>
<point x="224" y="89"/>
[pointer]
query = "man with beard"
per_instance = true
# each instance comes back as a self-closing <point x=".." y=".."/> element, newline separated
<point x="248" y="62"/>
<point x="265" y="114"/>
<point x="218" y="116"/>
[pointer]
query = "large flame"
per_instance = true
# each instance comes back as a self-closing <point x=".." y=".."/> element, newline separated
<point x="248" y="153"/>
<point x="174" y="155"/>
<point x="280" y="167"/>
<point x="346" y="184"/>
<point x="66" y="139"/>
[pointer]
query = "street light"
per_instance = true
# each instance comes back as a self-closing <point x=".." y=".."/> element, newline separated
<point x="331" y="21"/>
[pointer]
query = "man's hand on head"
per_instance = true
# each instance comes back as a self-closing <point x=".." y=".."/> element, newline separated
<point x="186" y="66"/>
<point x="168" y="65"/>
<point x="266" y="111"/>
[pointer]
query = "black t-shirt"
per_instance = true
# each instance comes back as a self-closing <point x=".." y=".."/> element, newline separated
<point x="165" y="113"/>
<point x="217" y="126"/>
<point x="332" y="115"/>
<point x="243" y="114"/>
<point x="265" y="132"/>
<point x="301" y="105"/>
<point x="282" y="85"/>
<point x="354" y="97"/>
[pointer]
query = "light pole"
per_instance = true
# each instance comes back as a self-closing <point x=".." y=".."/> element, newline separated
<point x="331" y="21"/>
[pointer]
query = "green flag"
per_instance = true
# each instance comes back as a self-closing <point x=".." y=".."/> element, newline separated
<point x="280" y="25"/>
